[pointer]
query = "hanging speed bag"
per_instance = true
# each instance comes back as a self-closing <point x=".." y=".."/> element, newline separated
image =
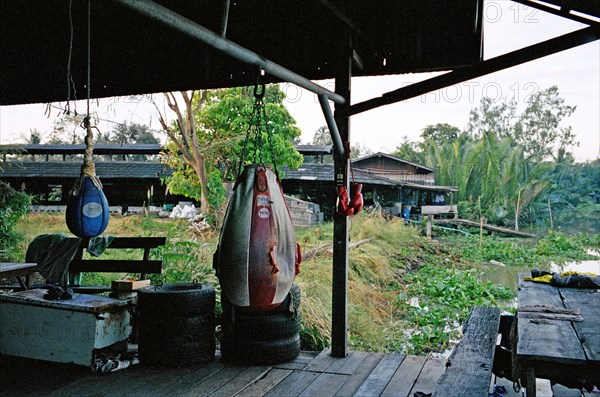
<point x="257" y="258"/>
<point x="87" y="210"/>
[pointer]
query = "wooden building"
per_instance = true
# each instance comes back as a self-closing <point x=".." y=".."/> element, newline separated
<point x="130" y="174"/>
<point x="388" y="181"/>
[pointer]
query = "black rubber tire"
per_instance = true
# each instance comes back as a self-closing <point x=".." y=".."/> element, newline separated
<point x="176" y="324"/>
<point x="262" y="328"/>
<point x="177" y="328"/>
<point x="266" y="352"/>
<point x="177" y="299"/>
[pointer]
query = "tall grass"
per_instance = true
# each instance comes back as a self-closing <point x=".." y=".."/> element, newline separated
<point x="385" y="274"/>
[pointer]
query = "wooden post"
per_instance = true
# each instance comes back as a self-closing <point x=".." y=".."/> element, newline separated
<point x="428" y="228"/>
<point x="550" y="212"/>
<point x="480" y="225"/>
<point x="339" y="312"/>
<point x="517" y="209"/>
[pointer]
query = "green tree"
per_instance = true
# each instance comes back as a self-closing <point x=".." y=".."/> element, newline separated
<point x="67" y="130"/>
<point x="34" y="137"/>
<point x="209" y="134"/>
<point x="322" y="136"/>
<point x="410" y="151"/>
<point x="499" y="117"/>
<point x="358" y="150"/>
<point x="539" y="127"/>
<point x="440" y="132"/>
<point x="133" y="133"/>
<point x="492" y="169"/>
<point x="14" y="205"/>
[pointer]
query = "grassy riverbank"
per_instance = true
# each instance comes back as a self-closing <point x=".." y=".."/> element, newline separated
<point x="406" y="293"/>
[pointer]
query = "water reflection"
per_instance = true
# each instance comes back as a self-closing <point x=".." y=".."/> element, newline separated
<point x="507" y="275"/>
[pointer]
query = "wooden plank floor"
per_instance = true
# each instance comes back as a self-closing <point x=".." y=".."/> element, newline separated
<point x="310" y="374"/>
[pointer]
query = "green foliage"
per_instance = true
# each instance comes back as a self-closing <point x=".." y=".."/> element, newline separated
<point x="220" y="121"/>
<point x="446" y="296"/>
<point x="218" y="195"/>
<point x="224" y="123"/>
<point x="441" y="132"/>
<point x="185" y="261"/>
<point x="132" y="133"/>
<point x="322" y="136"/>
<point x="409" y="151"/>
<point x="13" y="206"/>
<point x="573" y="196"/>
<point x="183" y="181"/>
<point x="555" y="246"/>
<point x="539" y="128"/>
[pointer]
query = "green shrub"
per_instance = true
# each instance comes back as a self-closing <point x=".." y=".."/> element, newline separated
<point x="13" y="206"/>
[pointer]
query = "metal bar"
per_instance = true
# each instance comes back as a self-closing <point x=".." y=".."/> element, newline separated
<point x="339" y="284"/>
<point x="338" y="146"/>
<point x="225" y="18"/>
<point x="565" y="13"/>
<point x="548" y="47"/>
<point x="170" y="18"/>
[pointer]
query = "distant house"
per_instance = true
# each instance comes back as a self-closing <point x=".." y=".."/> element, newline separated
<point x="388" y="181"/>
<point x="130" y="174"/>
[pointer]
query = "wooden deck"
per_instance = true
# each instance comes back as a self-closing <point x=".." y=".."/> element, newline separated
<point x="310" y="374"/>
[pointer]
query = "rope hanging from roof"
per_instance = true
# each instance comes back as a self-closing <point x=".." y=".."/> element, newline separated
<point x="87" y="208"/>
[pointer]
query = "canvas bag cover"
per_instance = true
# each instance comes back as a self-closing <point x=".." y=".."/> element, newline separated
<point x="257" y="258"/>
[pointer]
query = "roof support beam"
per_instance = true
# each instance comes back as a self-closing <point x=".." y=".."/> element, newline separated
<point x="562" y="12"/>
<point x="338" y="146"/>
<point x="341" y="230"/>
<point x="340" y="15"/>
<point x="170" y="18"/>
<point x="548" y="47"/>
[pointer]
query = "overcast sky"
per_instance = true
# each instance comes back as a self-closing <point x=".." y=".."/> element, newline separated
<point x="507" y="26"/>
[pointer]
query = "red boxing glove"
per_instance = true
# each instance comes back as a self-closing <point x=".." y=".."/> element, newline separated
<point x="357" y="202"/>
<point x="343" y="201"/>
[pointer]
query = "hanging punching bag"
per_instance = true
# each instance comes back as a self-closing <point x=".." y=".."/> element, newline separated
<point x="87" y="208"/>
<point x="257" y="258"/>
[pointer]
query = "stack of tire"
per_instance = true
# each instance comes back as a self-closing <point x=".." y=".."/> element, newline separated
<point x="176" y="324"/>
<point x="262" y="337"/>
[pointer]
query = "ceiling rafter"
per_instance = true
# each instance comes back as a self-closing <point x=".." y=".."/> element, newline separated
<point x="523" y="55"/>
<point x="562" y="12"/>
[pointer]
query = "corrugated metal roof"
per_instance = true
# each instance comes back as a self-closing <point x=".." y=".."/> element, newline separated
<point x="325" y="173"/>
<point x="314" y="149"/>
<point x="133" y="54"/>
<point x="99" y="148"/>
<point x="67" y="169"/>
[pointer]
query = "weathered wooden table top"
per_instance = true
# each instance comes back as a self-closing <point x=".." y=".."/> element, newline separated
<point x="558" y="330"/>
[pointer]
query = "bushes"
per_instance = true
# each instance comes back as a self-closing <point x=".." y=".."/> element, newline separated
<point x="13" y="205"/>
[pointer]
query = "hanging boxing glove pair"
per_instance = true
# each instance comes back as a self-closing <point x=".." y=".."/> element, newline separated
<point x="345" y="205"/>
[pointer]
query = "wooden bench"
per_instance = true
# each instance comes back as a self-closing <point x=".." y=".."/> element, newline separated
<point x="18" y="270"/>
<point x="469" y="367"/>
<point x="143" y="266"/>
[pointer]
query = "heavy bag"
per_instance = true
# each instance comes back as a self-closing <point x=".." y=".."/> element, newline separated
<point x="257" y="258"/>
<point x="87" y="208"/>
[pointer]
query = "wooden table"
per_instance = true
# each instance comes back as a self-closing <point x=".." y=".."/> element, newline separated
<point x="18" y="270"/>
<point x="558" y="335"/>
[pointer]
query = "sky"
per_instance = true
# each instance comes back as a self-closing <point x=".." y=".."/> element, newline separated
<point x="507" y="26"/>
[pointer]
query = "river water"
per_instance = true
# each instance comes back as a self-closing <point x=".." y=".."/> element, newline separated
<point x="507" y="275"/>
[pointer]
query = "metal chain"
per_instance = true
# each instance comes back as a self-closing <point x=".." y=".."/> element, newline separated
<point x="258" y="124"/>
